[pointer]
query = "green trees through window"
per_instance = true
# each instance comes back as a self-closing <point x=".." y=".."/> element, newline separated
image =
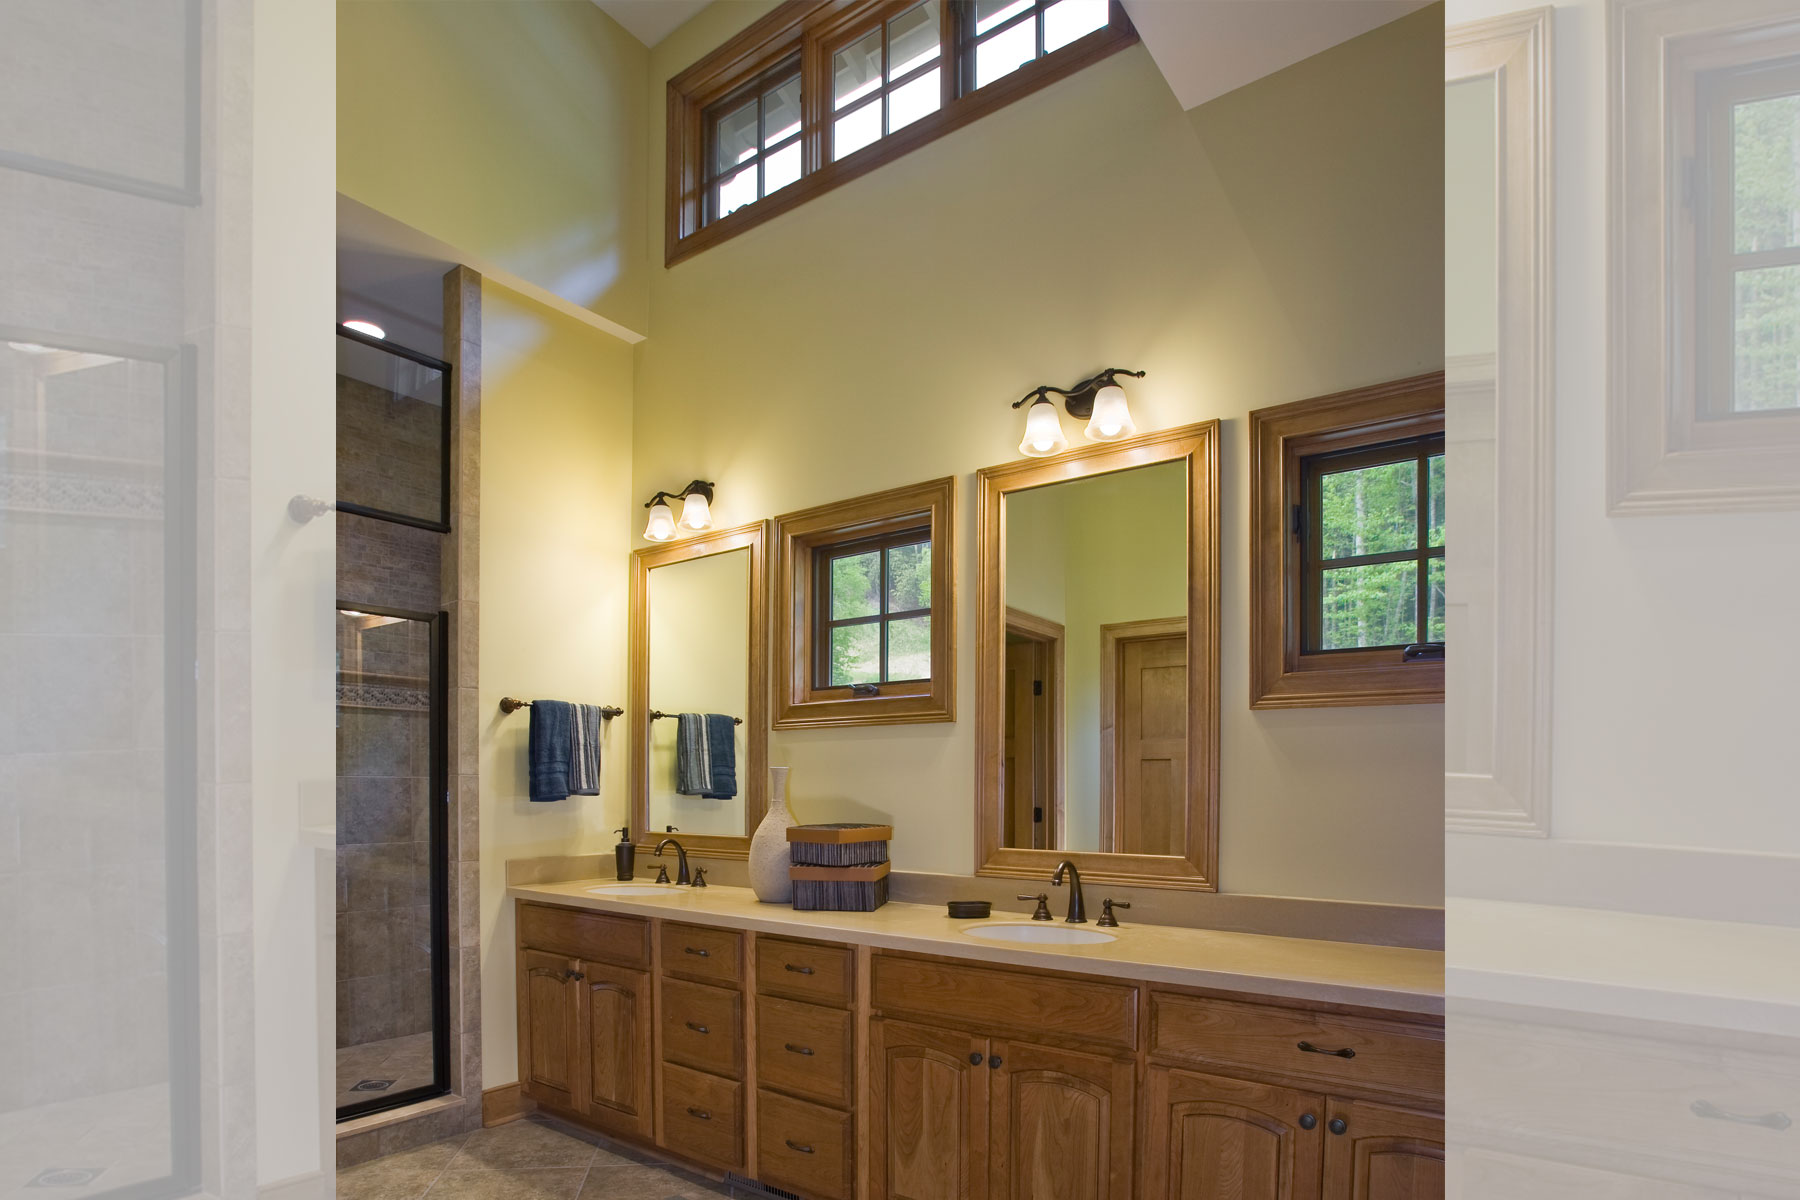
<point x="877" y="626"/>
<point x="1374" y="538"/>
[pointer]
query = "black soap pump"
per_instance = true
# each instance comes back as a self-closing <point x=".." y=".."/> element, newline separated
<point x="626" y="853"/>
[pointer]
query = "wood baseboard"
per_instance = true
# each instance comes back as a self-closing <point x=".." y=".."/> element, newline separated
<point x="507" y="1102"/>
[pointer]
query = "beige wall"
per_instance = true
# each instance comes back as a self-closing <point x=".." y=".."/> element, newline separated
<point x="1280" y="242"/>
<point x="555" y="510"/>
<point x="513" y="132"/>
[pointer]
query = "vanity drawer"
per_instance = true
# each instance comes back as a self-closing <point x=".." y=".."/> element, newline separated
<point x="805" y="971"/>
<point x="1065" y="1006"/>
<point x="703" y="953"/>
<point x="804" y="1049"/>
<point x="703" y="1027"/>
<point x="1385" y="1055"/>
<point x="593" y="936"/>
<point x="803" y="1147"/>
<point x="703" y="1117"/>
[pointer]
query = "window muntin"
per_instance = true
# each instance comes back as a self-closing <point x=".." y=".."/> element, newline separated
<point x="1749" y="207"/>
<point x="1005" y="35"/>
<point x="753" y="139"/>
<point x="886" y="79"/>
<point x="872" y="611"/>
<point x="1373" y="532"/>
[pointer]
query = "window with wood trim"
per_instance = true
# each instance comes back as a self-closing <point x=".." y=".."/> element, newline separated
<point x="1370" y="531"/>
<point x="1347" y="548"/>
<point x="821" y="91"/>
<point x="864" y="626"/>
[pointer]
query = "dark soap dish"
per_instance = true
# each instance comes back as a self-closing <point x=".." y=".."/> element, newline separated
<point x="970" y="910"/>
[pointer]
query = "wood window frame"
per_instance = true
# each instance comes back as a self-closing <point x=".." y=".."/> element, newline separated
<point x="754" y="90"/>
<point x="803" y="542"/>
<point x="815" y="30"/>
<point x="1283" y="674"/>
<point x="825" y="620"/>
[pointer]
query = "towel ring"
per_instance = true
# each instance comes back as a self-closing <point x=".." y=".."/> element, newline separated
<point x="657" y="715"/>
<point x="510" y="705"/>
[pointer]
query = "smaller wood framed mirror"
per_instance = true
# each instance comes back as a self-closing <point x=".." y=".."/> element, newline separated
<point x="699" y="638"/>
<point x="1097" y="662"/>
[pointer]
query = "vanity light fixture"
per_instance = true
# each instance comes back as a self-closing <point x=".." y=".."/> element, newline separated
<point x="1099" y="401"/>
<point x="696" y="511"/>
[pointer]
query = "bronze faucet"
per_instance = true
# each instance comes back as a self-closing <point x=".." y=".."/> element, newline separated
<point x="1107" y="920"/>
<point x="681" y="874"/>
<point x="1077" y="906"/>
<point x="1042" y="913"/>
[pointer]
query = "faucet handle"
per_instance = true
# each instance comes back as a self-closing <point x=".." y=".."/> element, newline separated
<point x="699" y="876"/>
<point x="1107" y="920"/>
<point x="662" y="873"/>
<point x="1043" y="906"/>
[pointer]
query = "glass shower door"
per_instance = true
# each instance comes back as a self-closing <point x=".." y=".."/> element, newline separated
<point x="392" y="856"/>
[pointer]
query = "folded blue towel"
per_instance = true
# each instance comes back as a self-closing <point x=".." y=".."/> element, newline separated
<point x="706" y="756"/>
<point x="550" y="749"/>
<point x="584" y="751"/>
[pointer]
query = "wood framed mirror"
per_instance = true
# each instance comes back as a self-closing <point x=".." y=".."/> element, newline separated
<point x="699" y="638"/>
<point x="1097" y="662"/>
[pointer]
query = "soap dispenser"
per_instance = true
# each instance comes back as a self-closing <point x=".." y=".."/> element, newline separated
<point x="626" y="854"/>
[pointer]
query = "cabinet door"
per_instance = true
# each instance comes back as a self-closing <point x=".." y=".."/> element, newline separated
<point x="615" y="1041"/>
<point x="1382" y="1153"/>
<point x="930" y="1091"/>
<point x="1212" y="1138"/>
<point x="1060" y="1124"/>
<point x="548" y="1027"/>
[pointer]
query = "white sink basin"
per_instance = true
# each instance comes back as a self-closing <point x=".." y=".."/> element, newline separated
<point x="635" y="889"/>
<point x="1040" y="933"/>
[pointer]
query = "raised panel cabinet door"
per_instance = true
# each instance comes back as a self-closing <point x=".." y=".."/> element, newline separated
<point x="615" y="1041"/>
<point x="1374" y="1152"/>
<point x="1060" y="1124"/>
<point x="930" y="1093"/>
<point x="1212" y="1138"/>
<point x="548" y="1027"/>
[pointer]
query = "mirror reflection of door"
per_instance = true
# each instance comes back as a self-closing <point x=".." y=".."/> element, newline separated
<point x="1143" y="736"/>
<point x="1031" y="757"/>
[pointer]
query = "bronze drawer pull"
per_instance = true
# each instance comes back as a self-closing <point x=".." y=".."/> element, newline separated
<point x="698" y="952"/>
<point x="1346" y="1052"/>
<point x="793" y="1049"/>
<point x="797" y="970"/>
<point x="793" y="1145"/>
<point x="1777" y="1121"/>
<point x="699" y="1114"/>
<point x="697" y="1027"/>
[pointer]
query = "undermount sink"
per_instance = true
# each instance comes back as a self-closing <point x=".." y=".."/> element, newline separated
<point x="635" y="889"/>
<point x="1041" y="934"/>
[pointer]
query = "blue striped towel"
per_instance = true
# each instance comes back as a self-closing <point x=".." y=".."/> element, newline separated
<point x="706" y="755"/>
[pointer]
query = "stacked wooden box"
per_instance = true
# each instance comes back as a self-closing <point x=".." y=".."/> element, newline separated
<point x="840" y="867"/>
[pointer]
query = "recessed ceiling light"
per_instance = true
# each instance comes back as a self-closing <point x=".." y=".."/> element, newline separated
<point x="366" y="327"/>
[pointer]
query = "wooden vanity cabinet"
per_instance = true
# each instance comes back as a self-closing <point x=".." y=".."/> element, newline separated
<point x="701" y="1025"/>
<point x="998" y="1083"/>
<point x="584" y="1023"/>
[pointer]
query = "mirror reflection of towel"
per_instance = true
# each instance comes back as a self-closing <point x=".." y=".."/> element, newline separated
<point x="706" y="756"/>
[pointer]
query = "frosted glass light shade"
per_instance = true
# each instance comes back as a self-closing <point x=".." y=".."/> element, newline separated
<point x="695" y="512"/>
<point x="1111" y="419"/>
<point x="661" y="527"/>
<point x="1043" y="431"/>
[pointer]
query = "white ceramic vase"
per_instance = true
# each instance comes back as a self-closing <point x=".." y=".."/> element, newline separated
<point x="769" y="845"/>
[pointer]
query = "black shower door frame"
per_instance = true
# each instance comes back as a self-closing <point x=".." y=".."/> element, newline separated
<point x="438" y="806"/>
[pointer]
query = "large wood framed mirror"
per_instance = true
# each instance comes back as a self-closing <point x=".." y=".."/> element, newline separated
<point x="699" y="637"/>
<point x="1097" y="660"/>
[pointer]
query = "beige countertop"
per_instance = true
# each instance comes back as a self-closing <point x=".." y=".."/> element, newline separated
<point x="1386" y="977"/>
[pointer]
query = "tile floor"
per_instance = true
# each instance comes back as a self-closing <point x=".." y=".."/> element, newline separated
<point x="405" y="1060"/>
<point x="76" y="1148"/>
<point x="532" y="1159"/>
